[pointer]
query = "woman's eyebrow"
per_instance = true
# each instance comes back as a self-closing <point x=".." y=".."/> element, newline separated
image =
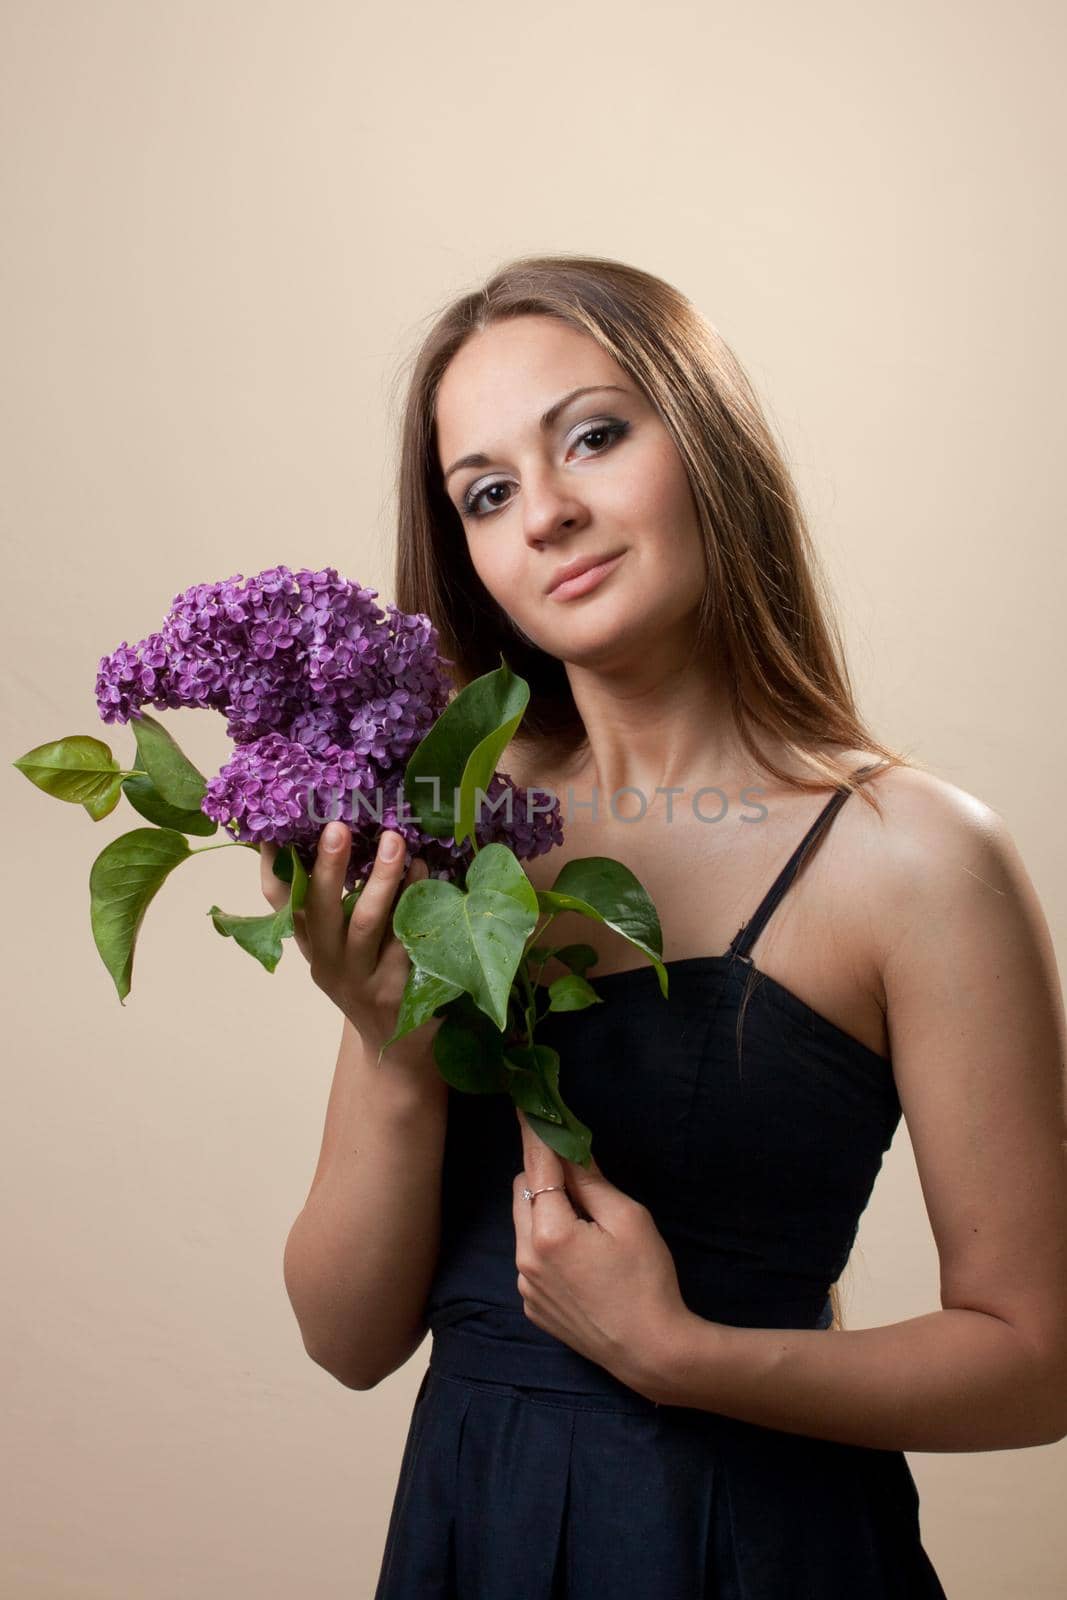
<point x="478" y="460"/>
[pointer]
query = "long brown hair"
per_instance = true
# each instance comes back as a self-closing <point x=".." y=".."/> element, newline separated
<point x="765" y="614"/>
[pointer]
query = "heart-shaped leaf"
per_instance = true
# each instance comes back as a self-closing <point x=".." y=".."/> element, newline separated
<point x="474" y="937"/>
<point x="79" y="769"/>
<point x="122" y="881"/>
<point x="176" y="779"/>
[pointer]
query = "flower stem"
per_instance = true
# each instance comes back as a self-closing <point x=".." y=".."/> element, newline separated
<point x="232" y="844"/>
<point x="530" y="1017"/>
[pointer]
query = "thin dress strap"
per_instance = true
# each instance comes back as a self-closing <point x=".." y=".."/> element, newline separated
<point x="749" y="931"/>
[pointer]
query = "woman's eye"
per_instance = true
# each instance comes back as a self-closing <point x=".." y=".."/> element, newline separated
<point x="606" y="430"/>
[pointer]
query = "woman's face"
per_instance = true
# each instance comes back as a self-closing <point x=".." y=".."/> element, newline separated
<point x="603" y="478"/>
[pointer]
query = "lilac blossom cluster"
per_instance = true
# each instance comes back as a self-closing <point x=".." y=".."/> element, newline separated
<point x="325" y="696"/>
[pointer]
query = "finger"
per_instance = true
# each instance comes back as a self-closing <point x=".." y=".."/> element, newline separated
<point x="275" y="891"/>
<point x="541" y="1169"/>
<point x="539" y="1160"/>
<point x="372" y="913"/>
<point x="545" y="1216"/>
<point x="322" y="916"/>
<point x="393" y="950"/>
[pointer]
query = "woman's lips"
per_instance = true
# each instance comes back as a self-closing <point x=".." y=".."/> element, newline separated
<point x="585" y="580"/>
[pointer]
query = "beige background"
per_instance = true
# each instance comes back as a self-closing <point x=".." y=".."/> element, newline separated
<point x="225" y="222"/>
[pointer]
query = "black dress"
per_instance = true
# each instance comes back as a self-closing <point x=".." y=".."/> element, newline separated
<point x="530" y="1472"/>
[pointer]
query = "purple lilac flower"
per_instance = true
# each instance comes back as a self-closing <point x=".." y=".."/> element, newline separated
<point x="325" y="696"/>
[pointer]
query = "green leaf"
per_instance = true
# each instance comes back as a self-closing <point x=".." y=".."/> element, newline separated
<point x="598" y="887"/>
<point x="297" y="876"/>
<point x="176" y="779"/>
<point x="579" y="957"/>
<point x="470" y="1058"/>
<point x="505" y="699"/>
<point x="123" y="879"/>
<point x="460" y="752"/>
<point x="283" y="865"/>
<point x="530" y="1068"/>
<point x="573" y="1141"/>
<point x="262" y="937"/>
<point x="79" y="769"/>
<point x="423" y="996"/>
<point x="287" y="864"/>
<point x="572" y="993"/>
<point x="146" y="799"/>
<point x="472" y="938"/>
<point x="560" y="1129"/>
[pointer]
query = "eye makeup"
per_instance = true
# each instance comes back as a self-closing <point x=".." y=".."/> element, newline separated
<point x="612" y="428"/>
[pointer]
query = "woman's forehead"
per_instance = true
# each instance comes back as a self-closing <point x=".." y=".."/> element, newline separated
<point x="492" y="385"/>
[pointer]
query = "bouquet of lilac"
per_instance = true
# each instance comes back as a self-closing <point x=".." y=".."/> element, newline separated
<point x="339" y="710"/>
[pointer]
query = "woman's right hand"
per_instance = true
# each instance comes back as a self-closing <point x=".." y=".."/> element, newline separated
<point x="360" y="964"/>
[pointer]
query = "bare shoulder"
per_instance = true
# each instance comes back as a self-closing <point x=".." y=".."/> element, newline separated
<point x="923" y="857"/>
<point x="922" y="811"/>
<point x="929" y="836"/>
<point x="962" y="941"/>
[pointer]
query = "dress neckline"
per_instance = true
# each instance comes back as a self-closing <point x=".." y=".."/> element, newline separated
<point x="777" y="992"/>
<point x="748" y="933"/>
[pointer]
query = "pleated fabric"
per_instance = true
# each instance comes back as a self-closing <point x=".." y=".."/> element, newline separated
<point x="539" y="1493"/>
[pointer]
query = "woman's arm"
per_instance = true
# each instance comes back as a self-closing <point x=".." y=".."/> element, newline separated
<point x="976" y="1027"/>
<point x="361" y="1255"/>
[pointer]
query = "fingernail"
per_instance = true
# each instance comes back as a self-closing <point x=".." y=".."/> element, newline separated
<point x="390" y="846"/>
<point x="333" y="836"/>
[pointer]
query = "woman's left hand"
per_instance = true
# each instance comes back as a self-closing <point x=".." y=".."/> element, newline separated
<point x="607" y="1286"/>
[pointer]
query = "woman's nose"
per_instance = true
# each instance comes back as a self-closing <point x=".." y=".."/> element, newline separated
<point x="550" y="505"/>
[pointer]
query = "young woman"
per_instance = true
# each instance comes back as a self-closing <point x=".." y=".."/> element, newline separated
<point x="639" y="1382"/>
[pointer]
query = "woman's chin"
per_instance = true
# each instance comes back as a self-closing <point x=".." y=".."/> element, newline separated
<point x="606" y="645"/>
